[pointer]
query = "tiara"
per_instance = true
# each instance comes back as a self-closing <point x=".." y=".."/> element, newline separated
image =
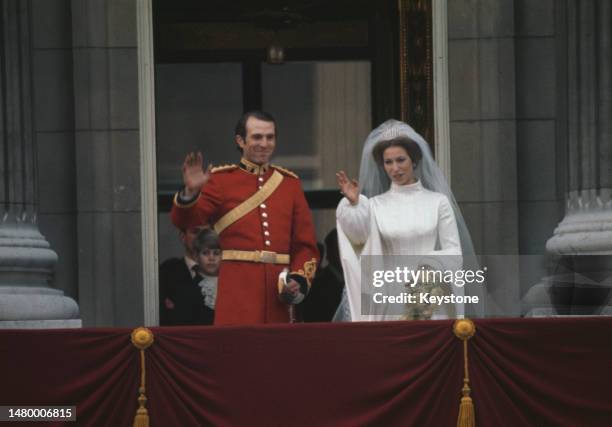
<point x="394" y="130"/>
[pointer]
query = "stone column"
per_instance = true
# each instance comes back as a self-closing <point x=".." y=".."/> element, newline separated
<point x="581" y="280"/>
<point x="26" y="259"/>
<point x="587" y="225"/>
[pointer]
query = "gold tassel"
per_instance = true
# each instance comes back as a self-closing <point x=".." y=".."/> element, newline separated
<point x="466" y="409"/>
<point x="464" y="330"/>
<point x="142" y="338"/>
<point x="142" y="416"/>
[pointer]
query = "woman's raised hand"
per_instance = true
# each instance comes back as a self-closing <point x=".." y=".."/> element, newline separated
<point x="194" y="175"/>
<point x="348" y="187"/>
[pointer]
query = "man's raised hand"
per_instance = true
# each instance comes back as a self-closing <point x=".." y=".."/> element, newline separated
<point x="194" y="176"/>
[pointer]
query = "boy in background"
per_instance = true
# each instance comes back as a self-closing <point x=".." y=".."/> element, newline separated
<point x="188" y="284"/>
<point x="208" y="256"/>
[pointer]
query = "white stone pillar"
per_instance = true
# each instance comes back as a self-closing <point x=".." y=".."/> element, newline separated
<point x="581" y="280"/>
<point x="586" y="228"/>
<point x="26" y="259"/>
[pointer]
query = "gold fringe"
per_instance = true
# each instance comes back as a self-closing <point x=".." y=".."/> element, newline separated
<point x="464" y="330"/>
<point x="142" y="416"/>
<point x="466" y="409"/>
<point x="142" y="338"/>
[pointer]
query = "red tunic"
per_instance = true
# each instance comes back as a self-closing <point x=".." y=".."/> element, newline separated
<point x="248" y="292"/>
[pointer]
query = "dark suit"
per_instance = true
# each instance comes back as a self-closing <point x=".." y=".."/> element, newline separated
<point x="176" y="283"/>
<point x="325" y="295"/>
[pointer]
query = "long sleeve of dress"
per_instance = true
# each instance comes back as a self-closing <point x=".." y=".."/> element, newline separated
<point x="354" y="219"/>
<point x="448" y="235"/>
<point x="447" y="256"/>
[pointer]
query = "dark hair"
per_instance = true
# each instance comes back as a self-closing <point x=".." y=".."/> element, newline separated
<point x="260" y="115"/>
<point x="411" y="147"/>
<point x="206" y="239"/>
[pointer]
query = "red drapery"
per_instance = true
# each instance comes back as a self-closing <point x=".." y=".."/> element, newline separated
<point x="537" y="372"/>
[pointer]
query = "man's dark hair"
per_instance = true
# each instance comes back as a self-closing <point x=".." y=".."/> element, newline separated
<point x="258" y="114"/>
<point x="411" y="147"/>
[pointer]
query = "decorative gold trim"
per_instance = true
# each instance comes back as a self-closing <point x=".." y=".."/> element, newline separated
<point x="465" y="329"/>
<point x="142" y="338"/>
<point x="267" y="257"/>
<point x="287" y="171"/>
<point x="416" y="66"/>
<point x="249" y="204"/>
<point x="308" y="272"/>
<point x="178" y="204"/>
<point x="310" y="268"/>
<point x="401" y="5"/>
<point x="222" y="168"/>
<point x="254" y="168"/>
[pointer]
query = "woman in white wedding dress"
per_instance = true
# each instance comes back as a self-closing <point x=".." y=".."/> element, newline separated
<point x="406" y="209"/>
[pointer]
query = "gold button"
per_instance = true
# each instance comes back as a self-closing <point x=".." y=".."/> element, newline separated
<point x="260" y="179"/>
<point x="265" y="224"/>
<point x="259" y="187"/>
<point x="265" y="215"/>
<point x="263" y="206"/>
<point x="267" y="243"/>
<point x="266" y="233"/>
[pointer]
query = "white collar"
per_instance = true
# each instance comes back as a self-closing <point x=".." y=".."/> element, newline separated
<point x="408" y="188"/>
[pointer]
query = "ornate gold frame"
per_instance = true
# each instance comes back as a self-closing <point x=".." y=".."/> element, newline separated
<point x="416" y="66"/>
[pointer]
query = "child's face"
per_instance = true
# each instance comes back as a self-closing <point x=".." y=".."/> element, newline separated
<point x="209" y="261"/>
<point x="187" y="237"/>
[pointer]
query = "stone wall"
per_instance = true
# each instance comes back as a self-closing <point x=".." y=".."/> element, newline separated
<point x="86" y="118"/>
<point x="54" y="135"/>
<point x="541" y="136"/>
<point x="107" y="156"/>
<point x="483" y="125"/>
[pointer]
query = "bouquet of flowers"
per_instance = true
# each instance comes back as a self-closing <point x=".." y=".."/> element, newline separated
<point x="422" y="309"/>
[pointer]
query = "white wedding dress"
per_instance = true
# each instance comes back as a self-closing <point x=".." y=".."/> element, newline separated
<point x="405" y="220"/>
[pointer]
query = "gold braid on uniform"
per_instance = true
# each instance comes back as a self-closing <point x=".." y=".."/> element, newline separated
<point x="286" y="171"/>
<point x="309" y="270"/>
<point x="222" y="168"/>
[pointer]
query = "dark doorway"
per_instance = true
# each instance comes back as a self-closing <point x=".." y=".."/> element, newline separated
<point x="237" y="37"/>
<point x="346" y="67"/>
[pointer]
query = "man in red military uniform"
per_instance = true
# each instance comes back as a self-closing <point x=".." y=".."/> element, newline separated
<point x="264" y="224"/>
